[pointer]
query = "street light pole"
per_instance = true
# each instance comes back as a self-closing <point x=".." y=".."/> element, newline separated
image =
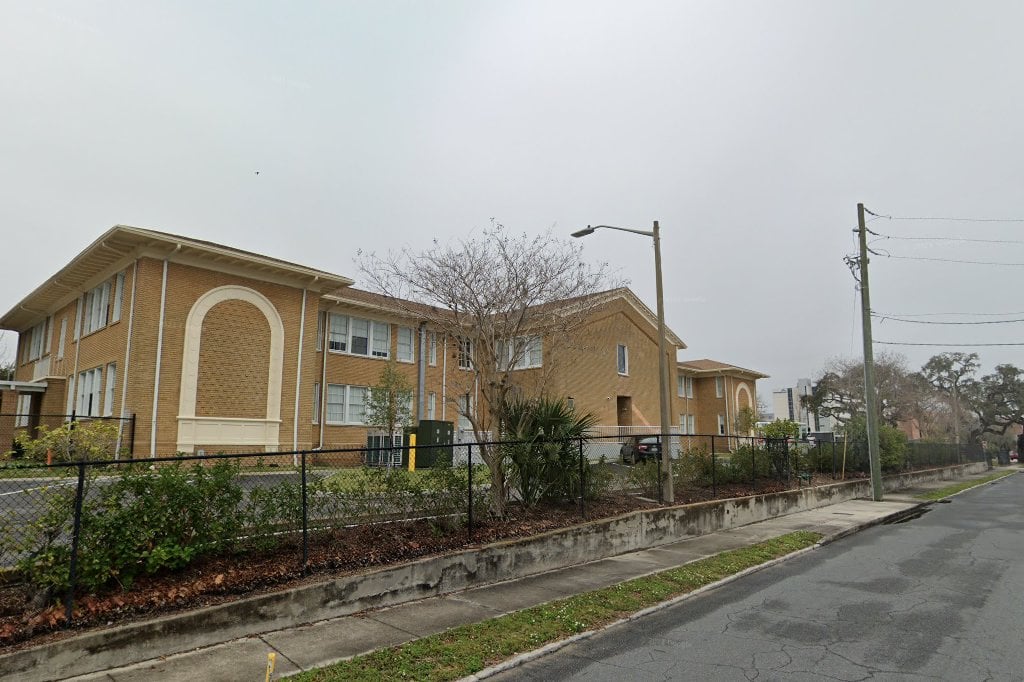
<point x="666" y="419"/>
<point x="668" y="492"/>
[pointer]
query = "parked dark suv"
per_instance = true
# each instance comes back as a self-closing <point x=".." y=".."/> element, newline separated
<point x="639" y="449"/>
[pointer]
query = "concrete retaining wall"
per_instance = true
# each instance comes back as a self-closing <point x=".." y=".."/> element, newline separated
<point x="123" y="645"/>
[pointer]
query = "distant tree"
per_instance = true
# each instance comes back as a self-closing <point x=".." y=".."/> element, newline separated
<point x="389" y="405"/>
<point x="7" y="364"/>
<point x="781" y="428"/>
<point x="996" y="401"/>
<point x="746" y="421"/>
<point x="504" y="301"/>
<point x="948" y="373"/>
<point x="839" y="390"/>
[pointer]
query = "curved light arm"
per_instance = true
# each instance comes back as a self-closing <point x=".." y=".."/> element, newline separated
<point x="590" y="230"/>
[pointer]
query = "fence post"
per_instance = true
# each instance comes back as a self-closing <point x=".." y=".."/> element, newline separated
<point x="131" y="438"/>
<point x="714" y="469"/>
<point x="305" y="518"/>
<point x="583" y="487"/>
<point x="469" y="477"/>
<point x="660" y="481"/>
<point x="71" y="437"/>
<point x="69" y="598"/>
<point x="753" y="465"/>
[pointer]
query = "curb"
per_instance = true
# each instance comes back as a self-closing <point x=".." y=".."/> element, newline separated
<point x="529" y="656"/>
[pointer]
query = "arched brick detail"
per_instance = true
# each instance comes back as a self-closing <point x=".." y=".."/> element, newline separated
<point x="249" y="431"/>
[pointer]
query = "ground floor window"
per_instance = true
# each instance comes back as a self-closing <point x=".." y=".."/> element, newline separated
<point x="346" y="404"/>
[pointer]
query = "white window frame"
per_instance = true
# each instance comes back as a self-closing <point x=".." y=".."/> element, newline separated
<point x="622" y="359"/>
<point x="465" y="406"/>
<point x="97" y="304"/>
<point x="432" y="343"/>
<point x="341" y="336"/>
<point x="115" y="312"/>
<point x="321" y="321"/>
<point x="70" y="406"/>
<point x="108" y="393"/>
<point x="687" y="424"/>
<point x="525" y="352"/>
<point x="90" y="386"/>
<point x="36" y="341"/>
<point x="78" y="319"/>
<point x="432" y="405"/>
<point x="346" y="393"/>
<point x="721" y="425"/>
<point x="465" y="353"/>
<point x="719" y="387"/>
<point x="49" y="335"/>
<point x="60" y="340"/>
<point x="24" y="408"/>
<point x="404" y="345"/>
<point x="316" y="402"/>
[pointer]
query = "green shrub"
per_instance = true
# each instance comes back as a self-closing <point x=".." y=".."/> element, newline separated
<point x="72" y="442"/>
<point x="143" y="521"/>
<point x="644" y="476"/>
<point x="543" y="449"/>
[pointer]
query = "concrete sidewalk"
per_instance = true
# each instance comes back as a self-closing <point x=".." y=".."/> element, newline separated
<point x="318" y="644"/>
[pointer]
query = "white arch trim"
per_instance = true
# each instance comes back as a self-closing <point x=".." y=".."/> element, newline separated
<point x="742" y="388"/>
<point x="227" y="430"/>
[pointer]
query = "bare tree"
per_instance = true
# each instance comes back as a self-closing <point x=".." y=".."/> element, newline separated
<point x="7" y="364"/>
<point x="504" y="301"/>
<point x="839" y="390"/>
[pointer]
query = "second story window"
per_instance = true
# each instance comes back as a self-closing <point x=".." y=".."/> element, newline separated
<point x="719" y="387"/>
<point x="404" y="350"/>
<point x="358" y="336"/>
<point x="97" y="302"/>
<point x="465" y="354"/>
<point x="622" y="358"/>
<point x="523" y="352"/>
<point x="35" y="341"/>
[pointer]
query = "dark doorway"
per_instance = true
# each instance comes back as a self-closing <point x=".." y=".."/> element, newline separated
<point x="624" y="410"/>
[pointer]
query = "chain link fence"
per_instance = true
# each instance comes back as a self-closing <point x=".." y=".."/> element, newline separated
<point x="75" y="526"/>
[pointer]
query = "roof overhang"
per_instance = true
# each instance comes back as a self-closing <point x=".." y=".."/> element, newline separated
<point x="725" y="370"/>
<point x="122" y="244"/>
<point x="23" y="386"/>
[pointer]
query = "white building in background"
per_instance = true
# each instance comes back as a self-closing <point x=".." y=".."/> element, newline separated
<point x="787" y="404"/>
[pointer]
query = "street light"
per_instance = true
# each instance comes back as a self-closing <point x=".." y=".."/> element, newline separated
<point x="668" y="493"/>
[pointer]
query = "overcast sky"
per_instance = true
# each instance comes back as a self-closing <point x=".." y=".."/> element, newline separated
<point x="750" y="130"/>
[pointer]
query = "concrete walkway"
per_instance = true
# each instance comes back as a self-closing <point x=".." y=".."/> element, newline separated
<point x="318" y="644"/>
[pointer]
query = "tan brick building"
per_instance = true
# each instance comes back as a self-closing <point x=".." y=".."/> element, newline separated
<point x="213" y="348"/>
<point x="710" y="395"/>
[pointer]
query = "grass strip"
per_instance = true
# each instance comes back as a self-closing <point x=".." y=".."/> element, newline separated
<point x="962" y="485"/>
<point x="467" y="649"/>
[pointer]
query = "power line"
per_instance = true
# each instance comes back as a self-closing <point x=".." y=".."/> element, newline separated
<point x="948" y="239"/>
<point x="949" y="219"/>
<point x="947" y="314"/>
<point x="901" y="343"/>
<point x="948" y="260"/>
<point x="884" y="318"/>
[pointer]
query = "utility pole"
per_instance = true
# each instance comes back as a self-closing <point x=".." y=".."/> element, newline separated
<point x="668" y="491"/>
<point x="870" y="395"/>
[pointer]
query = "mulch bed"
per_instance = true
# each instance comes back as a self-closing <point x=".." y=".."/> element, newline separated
<point x="215" y="580"/>
<point x="219" y="579"/>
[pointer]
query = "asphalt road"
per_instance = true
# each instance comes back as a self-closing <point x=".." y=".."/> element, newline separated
<point x="934" y="598"/>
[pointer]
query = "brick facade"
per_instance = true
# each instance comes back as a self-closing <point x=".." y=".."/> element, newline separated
<point x="222" y="350"/>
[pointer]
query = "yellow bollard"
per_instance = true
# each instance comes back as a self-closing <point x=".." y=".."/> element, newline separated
<point x="271" y="659"/>
<point x="412" y="452"/>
